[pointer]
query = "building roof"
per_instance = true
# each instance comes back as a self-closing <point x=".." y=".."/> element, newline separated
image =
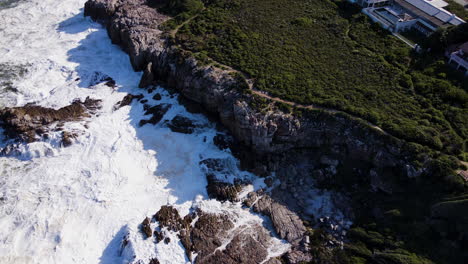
<point x="431" y="11"/>
<point x="438" y="3"/>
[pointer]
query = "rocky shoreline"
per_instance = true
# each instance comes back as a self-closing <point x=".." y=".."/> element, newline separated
<point x="301" y="151"/>
<point x="31" y="122"/>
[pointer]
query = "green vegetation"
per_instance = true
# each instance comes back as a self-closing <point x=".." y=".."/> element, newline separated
<point x="181" y="10"/>
<point x="328" y="53"/>
<point x="457" y="9"/>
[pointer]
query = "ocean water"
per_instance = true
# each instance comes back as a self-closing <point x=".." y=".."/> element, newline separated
<point x="76" y="204"/>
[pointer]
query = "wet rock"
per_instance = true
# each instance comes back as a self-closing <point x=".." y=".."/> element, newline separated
<point x="67" y="138"/>
<point x="167" y="240"/>
<point x="222" y="191"/>
<point x="157" y="112"/>
<point x="223" y="141"/>
<point x="157" y="97"/>
<point x="214" y="165"/>
<point x="110" y="83"/>
<point x="146" y="228"/>
<point x="29" y="121"/>
<point x="169" y="217"/>
<point x="191" y="106"/>
<point x="154" y="261"/>
<point x="99" y="77"/>
<point x="144" y="101"/>
<point x="287" y="224"/>
<point x="127" y="100"/>
<point x="181" y="124"/>
<point x="158" y="235"/>
<point x="148" y="77"/>
<point x="245" y="244"/>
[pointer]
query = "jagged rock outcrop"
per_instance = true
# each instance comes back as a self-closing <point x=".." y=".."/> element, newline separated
<point x="146" y="228"/>
<point x="216" y="238"/>
<point x="181" y="124"/>
<point x="157" y="112"/>
<point x="222" y="191"/>
<point x="286" y="223"/>
<point x="31" y="122"/>
<point x="127" y="100"/>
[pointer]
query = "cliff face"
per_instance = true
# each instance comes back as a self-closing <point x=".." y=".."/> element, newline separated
<point x="302" y="151"/>
<point x="134" y="26"/>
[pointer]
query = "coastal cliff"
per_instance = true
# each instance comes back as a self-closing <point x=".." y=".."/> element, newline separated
<point x="134" y="26"/>
<point x="303" y="150"/>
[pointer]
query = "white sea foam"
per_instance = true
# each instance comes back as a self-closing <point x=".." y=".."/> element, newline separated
<point x="76" y="204"/>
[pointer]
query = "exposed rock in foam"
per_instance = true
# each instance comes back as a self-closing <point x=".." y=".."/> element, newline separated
<point x="31" y="122"/>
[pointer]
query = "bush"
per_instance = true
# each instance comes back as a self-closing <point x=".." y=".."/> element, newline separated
<point x="176" y="7"/>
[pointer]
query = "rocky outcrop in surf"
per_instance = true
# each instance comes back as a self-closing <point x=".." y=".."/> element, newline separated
<point x="30" y="123"/>
<point x="217" y="237"/>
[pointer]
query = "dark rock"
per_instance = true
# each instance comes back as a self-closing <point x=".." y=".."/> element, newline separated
<point x="26" y="122"/>
<point x="110" y="83"/>
<point x="167" y="240"/>
<point x="181" y="124"/>
<point x="127" y="100"/>
<point x="222" y="191"/>
<point x="144" y="101"/>
<point x="158" y="235"/>
<point x="247" y="244"/>
<point x="99" y="77"/>
<point x="223" y="141"/>
<point x="148" y="77"/>
<point x="92" y="105"/>
<point x="146" y="228"/>
<point x="192" y="107"/>
<point x="157" y="112"/>
<point x="154" y="261"/>
<point x="169" y="217"/>
<point x="287" y="224"/>
<point x="214" y="165"/>
<point x="157" y="97"/>
<point x="67" y="138"/>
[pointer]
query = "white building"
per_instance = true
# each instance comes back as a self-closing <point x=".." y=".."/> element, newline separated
<point x="398" y="15"/>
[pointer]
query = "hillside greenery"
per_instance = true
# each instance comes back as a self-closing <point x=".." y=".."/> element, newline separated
<point x="329" y="54"/>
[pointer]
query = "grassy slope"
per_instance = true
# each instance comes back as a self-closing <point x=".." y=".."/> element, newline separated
<point x="328" y="53"/>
